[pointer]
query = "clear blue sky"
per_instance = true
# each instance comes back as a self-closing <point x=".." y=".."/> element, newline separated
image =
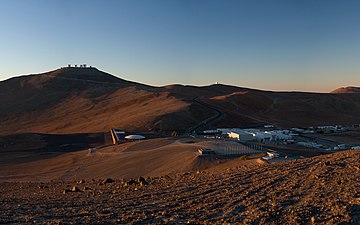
<point x="304" y="45"/>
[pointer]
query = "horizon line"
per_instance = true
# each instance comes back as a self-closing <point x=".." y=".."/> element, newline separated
<point x="85" y="66"/>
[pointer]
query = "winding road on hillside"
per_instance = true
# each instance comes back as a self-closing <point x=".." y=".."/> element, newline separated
<point x="218" y="115"/>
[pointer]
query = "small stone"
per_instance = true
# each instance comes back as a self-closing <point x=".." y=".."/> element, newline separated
<point x="313" y="220"/>
<point x="143" y="183"/>
<point x="75" y="189"/>
<point x="87" y="189"/>
<point x="131" y="182"/>
<point x="108" y="181"/>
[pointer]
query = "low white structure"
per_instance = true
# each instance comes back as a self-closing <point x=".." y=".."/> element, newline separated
<point x="342" y="146"/>
<point x="270" y="155"/>
<point x="330" y="129"/>
<point x="355" y="148"/>
<point x="234" y="135"/>
<point x="241" y="135"/>
<point x="273" y="154"/>
<point x="310" y="144"/>
<point x="134" y="137"/>
<point x="310" y="130"/>
<point x="262" y="137"/>
<point x="267" y="157"/>
<point x="211" y="131"/>
<point x="300" y="130"/>
<point x="279" y="135"/>
<point x="257" y="135"/>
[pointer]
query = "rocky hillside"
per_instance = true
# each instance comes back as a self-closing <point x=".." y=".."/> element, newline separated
<point x="73" y="100"/>
<point x="319" y="190"/>
<point x="78" y="100"/>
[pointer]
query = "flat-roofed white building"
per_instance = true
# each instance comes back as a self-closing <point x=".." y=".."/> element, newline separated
<point x="241" y="135"/>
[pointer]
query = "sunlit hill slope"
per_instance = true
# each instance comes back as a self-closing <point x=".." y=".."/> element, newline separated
<point x="73" y="100"/>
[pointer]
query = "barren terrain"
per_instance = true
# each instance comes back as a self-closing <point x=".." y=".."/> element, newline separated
<point x="87" y="100"/>
<point x="58" y="165"/>
<point x="153" y="157"/>
<point x="318" y="190"/>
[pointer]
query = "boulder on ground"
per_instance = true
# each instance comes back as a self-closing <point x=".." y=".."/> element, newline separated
<point x="142" y="181"/>
<point x="73" y="189"/>
<point x="107" y="181"/>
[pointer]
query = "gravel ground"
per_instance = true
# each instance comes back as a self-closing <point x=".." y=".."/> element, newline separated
<point x="319" y="190"/>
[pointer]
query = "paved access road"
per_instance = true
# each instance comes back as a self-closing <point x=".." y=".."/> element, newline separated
<point x="218" y="116"/>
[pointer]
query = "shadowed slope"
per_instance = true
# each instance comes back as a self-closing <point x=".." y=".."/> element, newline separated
<point x="286" y="109"/>
<point x="73" y="100"/>
<point x="87" y="100"/>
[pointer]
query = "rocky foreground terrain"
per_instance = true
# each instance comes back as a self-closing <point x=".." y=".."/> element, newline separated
<point x="319" y="190"/>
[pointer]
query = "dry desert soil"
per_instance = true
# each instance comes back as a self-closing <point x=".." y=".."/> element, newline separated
<point x="318" y="190"/>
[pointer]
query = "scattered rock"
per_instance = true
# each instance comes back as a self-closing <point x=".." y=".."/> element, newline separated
<point x="142" y="181"/>
<point x="131" y="182"/>
<point x="87" y="189"/>
<point x="283" y="193"/>
<point x="107" y="181"/>
<point x="312" y="220"/>
<point x="73" y="189"/>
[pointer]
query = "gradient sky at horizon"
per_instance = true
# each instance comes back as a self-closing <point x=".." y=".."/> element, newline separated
<point x="309" y="45"/>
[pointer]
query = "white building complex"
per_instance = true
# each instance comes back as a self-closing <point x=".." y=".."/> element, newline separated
<point x="257" y="135"/>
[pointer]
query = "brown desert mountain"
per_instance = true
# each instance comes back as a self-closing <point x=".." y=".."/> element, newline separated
<point x="347" y="90"/>
<point x="71" y="100"/>
<point x="74" y="100"/>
